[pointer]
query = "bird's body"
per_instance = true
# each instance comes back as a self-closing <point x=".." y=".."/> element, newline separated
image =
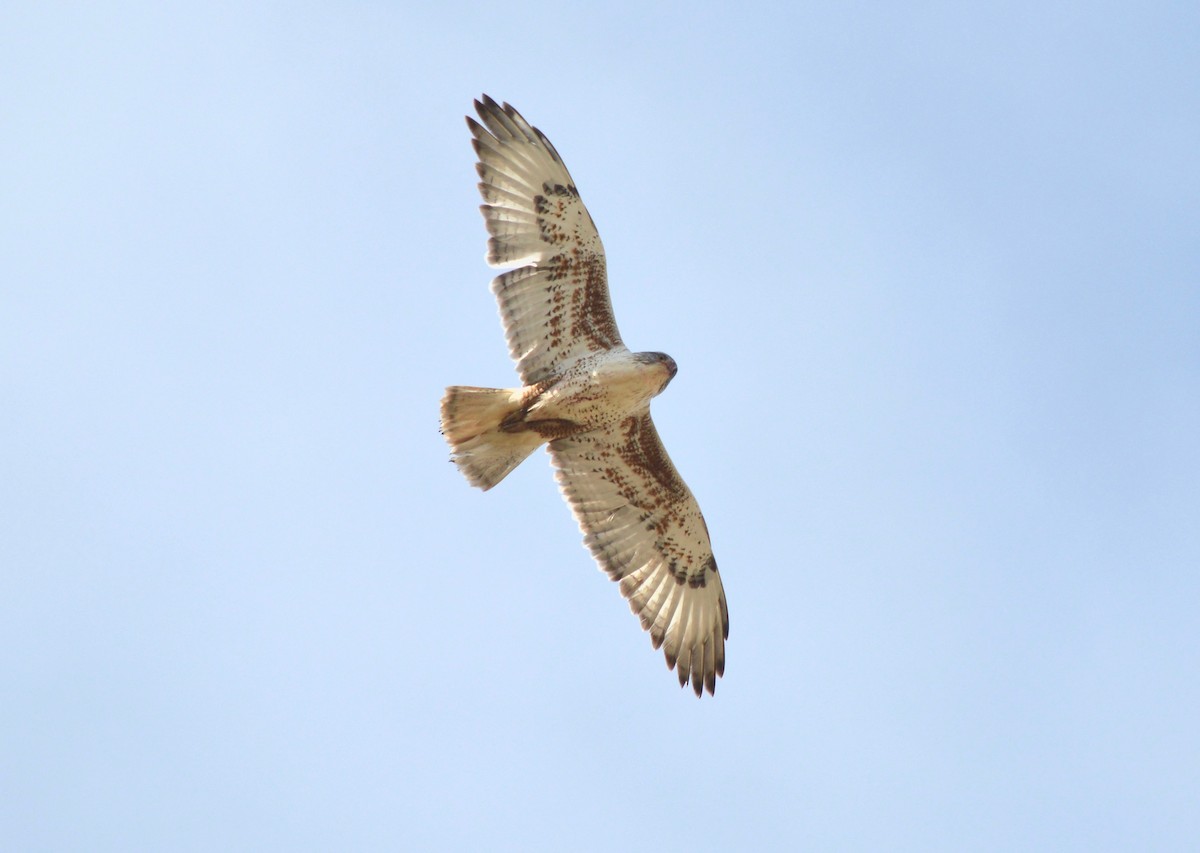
<point x="586" y="396"/>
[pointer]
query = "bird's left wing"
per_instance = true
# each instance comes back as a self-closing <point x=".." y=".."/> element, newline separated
<point x="644" y="528"/>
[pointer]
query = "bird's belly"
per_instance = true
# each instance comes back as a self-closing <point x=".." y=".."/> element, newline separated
<point x="598" y="397"/>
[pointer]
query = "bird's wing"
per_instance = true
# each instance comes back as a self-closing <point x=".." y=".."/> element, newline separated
<point x="644" y="528"/>
<point x="555" y="304"/>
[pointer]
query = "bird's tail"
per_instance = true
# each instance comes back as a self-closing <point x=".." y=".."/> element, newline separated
<point x="481" y="448"/>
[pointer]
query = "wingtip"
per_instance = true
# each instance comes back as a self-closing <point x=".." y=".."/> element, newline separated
<point x="485" y="104"/>
<point x="701" y="680"/>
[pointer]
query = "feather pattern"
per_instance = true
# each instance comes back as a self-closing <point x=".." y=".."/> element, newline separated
<point x="555" y="306"/>
<point x="645" y="529"/>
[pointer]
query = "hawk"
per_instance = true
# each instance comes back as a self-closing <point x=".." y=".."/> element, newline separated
<point x="585" y="396"/>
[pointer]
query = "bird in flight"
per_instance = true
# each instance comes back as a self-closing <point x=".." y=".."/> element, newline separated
<point x="585" y="396"/>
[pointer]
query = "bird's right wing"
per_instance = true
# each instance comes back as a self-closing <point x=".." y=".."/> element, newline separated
<point x="555" y="305"/>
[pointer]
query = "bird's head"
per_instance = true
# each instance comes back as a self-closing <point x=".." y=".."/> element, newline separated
<point x="662" y="361"/>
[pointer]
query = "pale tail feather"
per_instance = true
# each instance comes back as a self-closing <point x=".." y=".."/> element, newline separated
<point x="471" y="419"/>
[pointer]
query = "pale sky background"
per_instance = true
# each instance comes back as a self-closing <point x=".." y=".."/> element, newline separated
<point x="931" y="273"/>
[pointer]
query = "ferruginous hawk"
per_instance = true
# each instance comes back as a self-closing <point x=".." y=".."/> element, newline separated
<point x="585" y="395"/>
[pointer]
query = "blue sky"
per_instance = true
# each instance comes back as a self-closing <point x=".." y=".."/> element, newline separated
<point x="932" y="277"/>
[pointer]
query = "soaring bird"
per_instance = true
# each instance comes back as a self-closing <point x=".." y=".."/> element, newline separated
<point x="585" y="396"/>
